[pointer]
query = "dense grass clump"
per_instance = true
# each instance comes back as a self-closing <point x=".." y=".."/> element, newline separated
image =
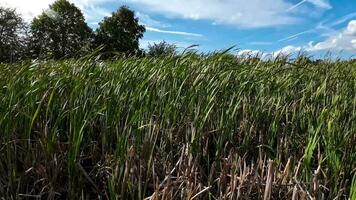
<point x="185" y="127"/>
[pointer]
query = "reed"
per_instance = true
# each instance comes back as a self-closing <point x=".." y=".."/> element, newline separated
<point x="192" y="126"/>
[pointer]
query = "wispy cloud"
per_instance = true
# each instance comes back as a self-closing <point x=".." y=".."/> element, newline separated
<point x="296" y="5"/>
<point x="294" y="36"/>
<point x="247" y="14"/>
<point x="342" y="19"/>
<point x="318" y="3"/>
<point x="93" y="14"/>
<point x="173" y="32"/>
<point x="322" y="28"/>
<point x="149" y="21"/>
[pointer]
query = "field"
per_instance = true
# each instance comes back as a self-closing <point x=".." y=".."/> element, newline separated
<point x="185" y="127"/>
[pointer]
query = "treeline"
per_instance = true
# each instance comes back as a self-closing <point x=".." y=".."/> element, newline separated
<point x="61" y="32"/>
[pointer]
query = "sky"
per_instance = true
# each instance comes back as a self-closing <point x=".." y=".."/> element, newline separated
<point x="316" y="27"/>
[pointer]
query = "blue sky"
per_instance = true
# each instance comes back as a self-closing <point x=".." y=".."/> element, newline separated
<point x="271" y="26"/>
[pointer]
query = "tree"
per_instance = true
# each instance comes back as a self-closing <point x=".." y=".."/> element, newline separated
<point x="60" y="31"/>
<point x="12" y="35"/>
<point x="120" y="32"/>
<point x="161" y="49"/>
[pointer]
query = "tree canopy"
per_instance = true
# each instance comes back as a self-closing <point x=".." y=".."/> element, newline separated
<point x="60" y="31"/>
<point x="120" y="32"/>
<point x="12" y="35"/>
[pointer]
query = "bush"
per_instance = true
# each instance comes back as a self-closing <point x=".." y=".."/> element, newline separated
<point x="161" y="49"/>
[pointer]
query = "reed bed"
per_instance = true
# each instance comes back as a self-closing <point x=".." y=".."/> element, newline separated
<point x="193" y="126"/>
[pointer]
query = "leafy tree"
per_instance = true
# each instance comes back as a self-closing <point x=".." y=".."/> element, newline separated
<point x="60" y="31"/>
<point x="120" y="32"/>
<point x="12" y="35"/>
<point x="161" y="49"/>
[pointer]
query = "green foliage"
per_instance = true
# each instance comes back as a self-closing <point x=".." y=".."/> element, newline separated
<point x="161" y="49"/>
<point x="60" y="31"/>
<point x="120" y="32"/>
<point x="12" y="35"/>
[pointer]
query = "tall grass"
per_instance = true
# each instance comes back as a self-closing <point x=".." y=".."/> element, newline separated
<point x="186" y="127"/>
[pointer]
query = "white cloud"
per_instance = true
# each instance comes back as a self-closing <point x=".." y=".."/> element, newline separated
<point x="288" y="50"/>
<point x="323" y="29"/>
<point x="28" y="9"/>
<point x="353" y="42"/>
<point x="351" y="28"/>
<point x="252" y="13"/>
<point x="247" y="53"/>
<point x="31" y="8"/>
<point x="173" y="32"/>
<point x="343" y="40"/>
